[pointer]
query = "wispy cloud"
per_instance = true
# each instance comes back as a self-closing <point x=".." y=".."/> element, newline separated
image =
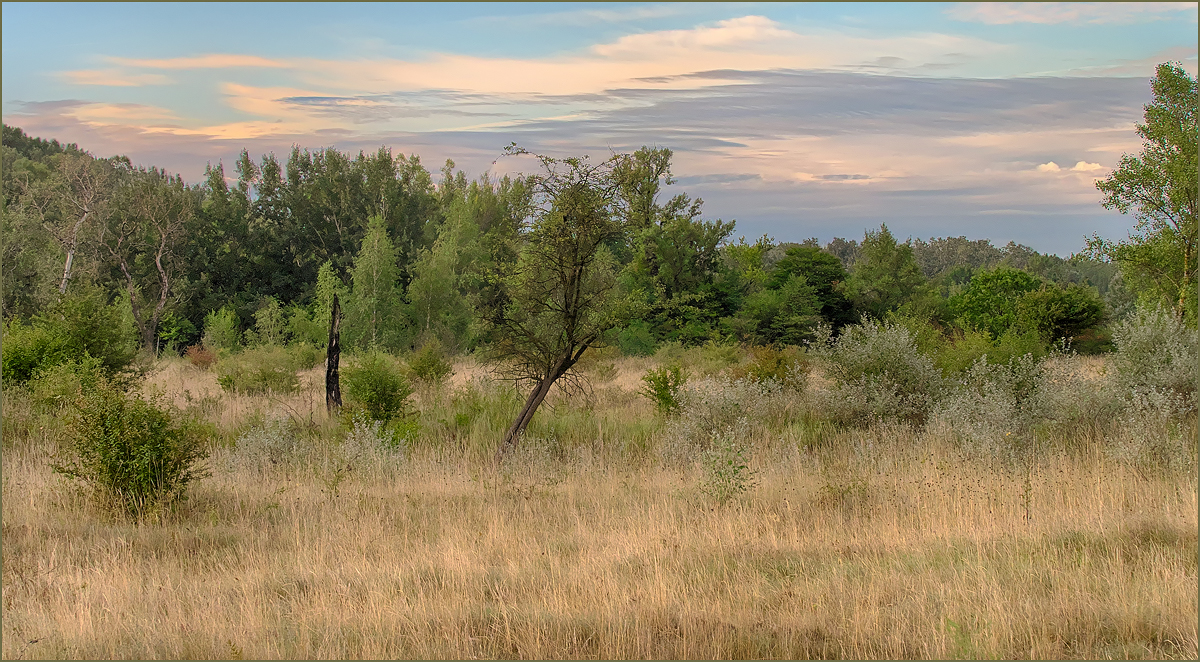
<point x="113" y="78"/>
<point x="210" y="61"/>
<point x="1002" y="13"/>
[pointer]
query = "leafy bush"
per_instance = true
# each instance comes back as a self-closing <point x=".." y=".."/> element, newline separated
<point x="270" y="327"/>
<point x="662" y="387"/>
<point x="879" y="374"/>
<point x="1053" y="312"/>
<point x="788" y="366"/>
<point x="130" y="449"/>
<point x="1156" y="351"/>
<point x="201" y="356"/>
<point x="59" y="385"/>
<point x="221" y="330"/>
<point x="727" y="473"/>
<point x="79" y="325"/>
<point x="264" y="369"/>
<point x="429" y="363"/>
<point x="378" y="386"/>
<point x="637" y="340"/>
<point x="968" y="346"/>
<point x="990" y="301"/>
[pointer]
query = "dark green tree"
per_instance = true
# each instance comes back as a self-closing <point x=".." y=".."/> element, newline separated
<point x="561" y="297"/>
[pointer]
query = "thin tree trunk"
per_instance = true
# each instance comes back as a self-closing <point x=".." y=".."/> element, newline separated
<point x="535" y="399"/>
<point x="333" y="387"/>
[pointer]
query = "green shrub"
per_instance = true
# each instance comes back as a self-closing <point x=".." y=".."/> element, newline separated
<point x="662" y="387"/>
<point x="726" y="470"/>
<point x="264" y="369"/>
<point x="636" y="340"/>
<point x="130" y="450"/>
<point x="787" y="366"/>
<point x="270" y="327"/>
<point x="60" y="385"/>
<point x="377" y="385"/>
<point x="429" y="363"/>
<point x="990" y="301"/>
<point x="79" y="325"/>
<point x="969" y="345"/>
<point x="1053" y="312"/>
<point x="221" y="330"/>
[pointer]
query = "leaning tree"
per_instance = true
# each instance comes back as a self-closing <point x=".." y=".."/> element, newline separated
<point x="561" y="296"/>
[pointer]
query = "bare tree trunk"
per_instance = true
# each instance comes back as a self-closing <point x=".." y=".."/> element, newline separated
<point x="74" y="242"/>
<point x="333" y="386"/>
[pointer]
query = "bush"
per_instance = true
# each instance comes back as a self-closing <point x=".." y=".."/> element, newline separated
<point x="263" y="369"/>
<point x="273" y="443"/>
<point x="130" y="449"/>
<point x="221" y="330"/>
<point x="378" y="386"/>
<point x="879" y="374"/>
<point x="711" y="407"/>
<point x="59" y="385"/>
<point x="786" y="366"/>
<point x="1156" y="351"/>
<point x="960" y="353"/>
<point x="429" y="363"/>
<point x="993" y="407"/>
<point x="727" y="473"/>
<point x="662" y="387"/>
<point x="82" y="324"/>
<point x="201" y="356"/>
<point x="637" y="340"/>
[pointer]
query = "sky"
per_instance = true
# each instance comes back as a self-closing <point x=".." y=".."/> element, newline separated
<point x="989" y="120"/>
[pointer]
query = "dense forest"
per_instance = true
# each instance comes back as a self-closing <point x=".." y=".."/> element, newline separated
<point x="417" y="257"/>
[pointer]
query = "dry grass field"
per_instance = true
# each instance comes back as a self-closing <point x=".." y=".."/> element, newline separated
<point x="879" y="542"/>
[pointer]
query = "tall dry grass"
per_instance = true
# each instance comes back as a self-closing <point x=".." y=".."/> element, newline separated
<point x="881" y="542"/>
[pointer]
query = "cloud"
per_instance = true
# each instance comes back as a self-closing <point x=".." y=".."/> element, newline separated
<point x="1084" y="166"/>
<point x="210" y="61"/>
<point x="113" y="78"/>
<point x="1049" y="167"/>
<point x="1003" y="13"/>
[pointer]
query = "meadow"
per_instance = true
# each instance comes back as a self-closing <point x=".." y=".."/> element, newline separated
<point x="768" y="516"/>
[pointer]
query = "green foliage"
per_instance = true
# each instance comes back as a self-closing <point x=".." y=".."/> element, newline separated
<point x="265" y="369"/>
<point x="429" y="364"/>
<point x="821" y="271"/>
<point x="727" y="474"/>
<point x="662" y="387"/>
<point x="373" y="310"/>
<point x="81" y="324"/>
<point x="59" y="385"/>
<point x="131" y="449"/>
<point x="377" y="385"/>
<point x="637" y="339"/>
<point x="967" y="346"/>
<point x="1159" y="258"/>
<point x="175" y="331"/>
<point x="438" y="305"/>
<point x="990" y="301"/>
<point x="788" y="366"/>
<point x="885" y="275"/>
<point x="270" y="326"/>
<point x="786" y="315"/>
<point x="1054" y="312"/>
<point x="221" y="330"/>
